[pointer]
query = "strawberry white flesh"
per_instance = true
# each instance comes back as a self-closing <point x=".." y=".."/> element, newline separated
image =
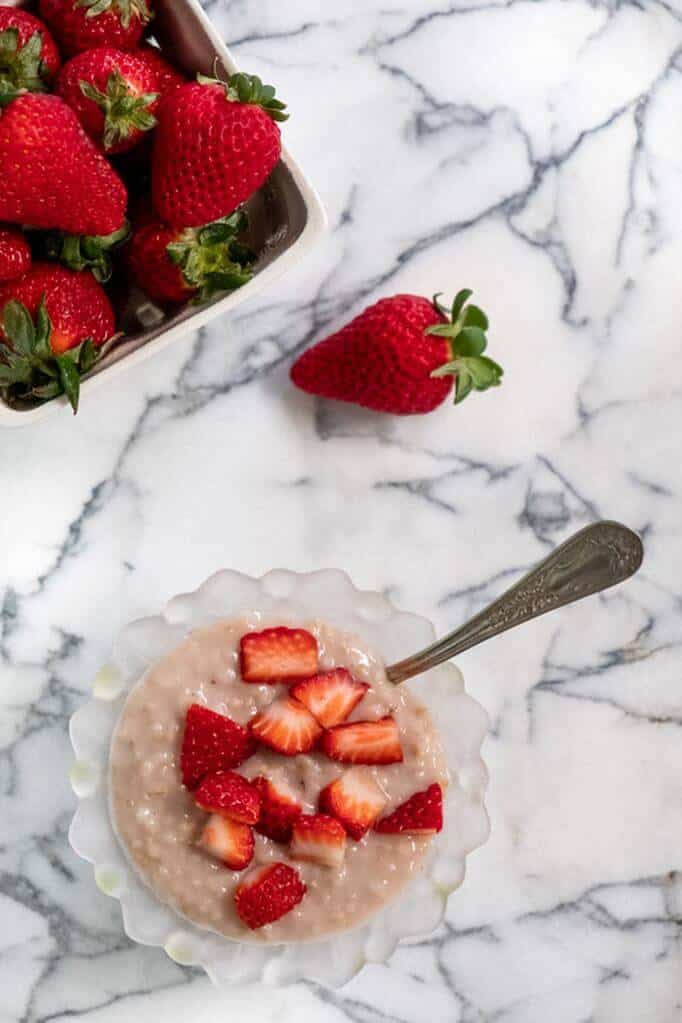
<point x="228" y="841"/>
<point x="318" y="839"/>
<point x="277" y="655"/>
<point x="364" y="742"/>
<point x="330" y="696"/>
<point x="355" y="799"/>
<point x="287" y="727"/>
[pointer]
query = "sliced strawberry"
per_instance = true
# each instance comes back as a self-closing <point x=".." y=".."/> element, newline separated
<point x="331" y="696"/>
<point x="364" y="742"/>
<point x="229" y="795"/>
<point x="287" y="727"/>
<point x="277" y="655"/>
<point x="228" y="841"/>
<point x="318" y="839"/>
<point x="211" y="743"/>
<point x="421" y="814"/>
<point x="268" y="893"/>
<point x="355" y="800"/>
<point x="279" y="809"/>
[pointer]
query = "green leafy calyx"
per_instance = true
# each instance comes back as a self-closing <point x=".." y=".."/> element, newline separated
<point x="29" y="369"/>
<point x="465" y="332"/>
<point x="125" y="111"/>
<point x="21" y="67"/>
<point x="212" y="258"/>
<point x="125" y="9"/>
<point x="241" y="88"/>
<point x="86" y="252"/>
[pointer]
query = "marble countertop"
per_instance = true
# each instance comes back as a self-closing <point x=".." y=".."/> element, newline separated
<point x="533" y="152"/>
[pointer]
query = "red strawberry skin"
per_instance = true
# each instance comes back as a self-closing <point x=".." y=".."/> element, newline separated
<point x="151" y="267"/>
<point x="277" y="655"/>
<point x="278" y="812"/>
<point x="331" y="696"/>
<point x="52" y="174"/>
<point x="27" y="25"/>
<point x="167" y="76"/>
<point x="76" y="304"/>
<point x="267" y="894"/>
<point x="381" y="360"/>
<point x="210" y="154"/>
<point x="211" y="743"/>
<point x="421" y="814"/>
<point x="95" y="68"/>
<point x="15" y="254"/>
<point x="75" y="31"/>
<point x="229" y="795"/>
<point x="364" y="742"/>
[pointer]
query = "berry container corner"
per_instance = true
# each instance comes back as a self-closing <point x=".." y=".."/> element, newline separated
<point x="286" y="220"/>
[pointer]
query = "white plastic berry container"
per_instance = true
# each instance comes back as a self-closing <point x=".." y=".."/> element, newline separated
<point x="286" y="218"/>
<point x="329" y="596"/>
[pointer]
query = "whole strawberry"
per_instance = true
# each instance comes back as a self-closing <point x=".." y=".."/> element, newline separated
<point x="52" y="323"/>
<point x="215" y="145"/>
<point x="52" y="174"/>
<point x="175" y="266"/>
<point x="402" y="355"/>
<point x="15" y="254"/>
<point x="83" y="24"/>
<point x="168" y="77"/>
<point x="114" y="95"/>
<point x="29" y="59"/>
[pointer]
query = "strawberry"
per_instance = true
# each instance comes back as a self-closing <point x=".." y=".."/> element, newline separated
<point x="228" y="841"/>
<point x="229" y="795"/>
<point x="331" y="696"/>
<point x="318" y="839"/>
<point x="211" y="743"/>
<point x="84" y="24"/>
<point x="52" y="322"/>
<point x="215" y="145"/>
<point x="279" y="809"/>
<point x="197" y="263"/>
<point x="15" y="254"/>
<point x="29" y="59"/>
<point x="401" y="356"/>
<point x="364" y="742"/>
<point x="355" y="799"/>
<point x="113" y="93"/>
<point x="421" y="814"/>
<point x="277" y="655"/>
<point x="287" y="727"/>
<point x="86" y="252"/>
<point x="52" y="174"/>
<point x="268" y="893"/>
<point x="168" y="77"/>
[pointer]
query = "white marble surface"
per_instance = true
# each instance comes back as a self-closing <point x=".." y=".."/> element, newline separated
<point x="532" y="151"/>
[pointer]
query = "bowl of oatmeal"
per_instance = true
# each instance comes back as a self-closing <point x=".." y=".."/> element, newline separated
<point x="257" y="795"/>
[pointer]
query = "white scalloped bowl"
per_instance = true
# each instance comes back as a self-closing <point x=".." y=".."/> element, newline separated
<point x="460" y="721"/>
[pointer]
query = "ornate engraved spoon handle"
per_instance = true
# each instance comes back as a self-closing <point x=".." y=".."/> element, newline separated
<point x="594" y="559"/>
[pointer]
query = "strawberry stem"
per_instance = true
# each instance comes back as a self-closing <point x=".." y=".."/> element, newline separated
<point x="124" y="8"/>
<point x="243" y="88"/>
<point x="125" y="111"/>
<point x="465" y="332"/>
<point x="212" y="258"/>
<point x="86" y="252"/>
<point x="21" y="67"/>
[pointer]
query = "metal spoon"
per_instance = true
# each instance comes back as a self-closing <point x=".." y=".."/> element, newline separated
<point x="594" y="559"/>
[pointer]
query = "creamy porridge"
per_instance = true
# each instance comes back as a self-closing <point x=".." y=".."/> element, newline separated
<point x="164" y="831"/>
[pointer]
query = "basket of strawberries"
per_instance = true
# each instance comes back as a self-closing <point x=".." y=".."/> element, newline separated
<point x="141" y="194"/>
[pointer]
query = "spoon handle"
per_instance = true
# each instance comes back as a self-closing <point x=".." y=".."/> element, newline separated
<point x="597" y="557"/>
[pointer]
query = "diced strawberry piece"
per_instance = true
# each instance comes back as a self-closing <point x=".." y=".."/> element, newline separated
<point x="268" y="893"/>
<point x="318" y="839"/>
<point x="364" y="742"/>
<point x="279" y="809"/>
<point x="331" y="696"/>
<point x="211" y="743"/>
<point x="277" y="655"/>
<point x="229" y="795"/>
<point x="355" y="799"/>
<point x="287" y="727"/>
<point x="228" y="841"/>
<point x="421" y="814"/>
